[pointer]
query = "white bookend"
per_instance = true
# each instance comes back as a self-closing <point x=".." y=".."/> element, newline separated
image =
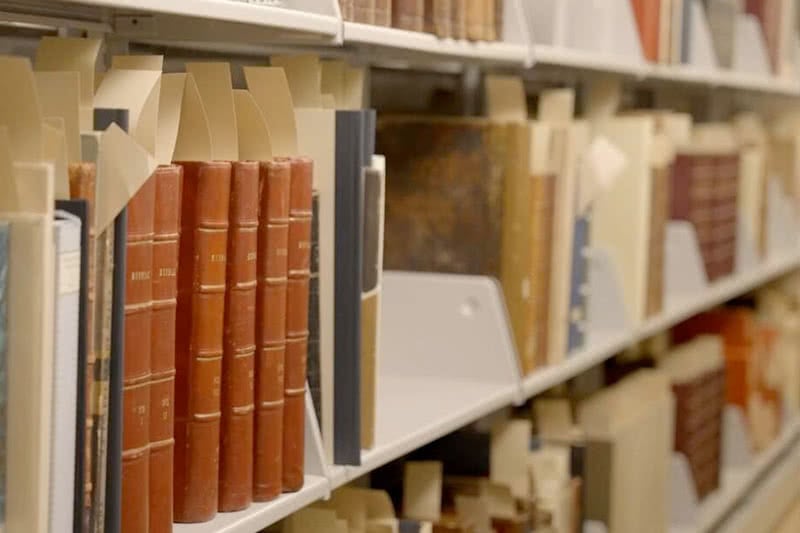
<point x="750" y="54"/>
<point x="684" y="274"/>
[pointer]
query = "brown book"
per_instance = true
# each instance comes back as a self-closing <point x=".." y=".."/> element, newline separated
<point x="236" y="445"/>
<point x="489" y="28"/>
<point x="383" y="12"/>
<point x="438" y="18"/>
<point x="408" y="14"/>
<point x="458" y="19"/>
<point x="542" y="198"/>
<point x="136" y="374"/>
<point x="198" y="338"/>
<point x="347" y="8"/>
<point x="499" y="17"/>
<point x="659" y="208"/>
<point x="166" y="238"/>
<point x="297" y="302"/>
<point x="364" y="11"/>
<point x="273" y="244"/>
<point x="476" y="20"/>
<point x="82" y="186"/>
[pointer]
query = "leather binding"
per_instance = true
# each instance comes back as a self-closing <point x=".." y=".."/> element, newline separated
<point x="166" y="227"/>
<point x="647" y="13"/>
<point x="136" y="377"/>
<point x="438" y="18"/>
<point x="82" y="186"/>
<point x="273" y="243"/>
<point x="198" y="338"/>
<point x="476" y="16"/>
<point x="383" y="12"/>
<point x="458" y="22"/>
<point x="408" y="14"/>
<point x="297" y="327"/>
<point x="726" y="197"/>
<point x="236" y="444"/>
<point x="313" y="357"/>
<point x="659" y="207"/>
<point x="542" y="230"/>
<point x="364" y="11"/>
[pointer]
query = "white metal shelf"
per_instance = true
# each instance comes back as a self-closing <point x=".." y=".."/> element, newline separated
<point x="737" y="483"/>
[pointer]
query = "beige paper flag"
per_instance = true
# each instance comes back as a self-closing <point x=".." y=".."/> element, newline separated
<point x="72" y="54"/>
<point x="122" y="168"/>
<point x="254" y="139"/>
<point x="354" y="79"/>
<point x="19" y="109"/>
<point x="194" y="137"/>
<point x="54" y="149"/>
<point x="138" y="91"/>
<point x="422" y="490"/>
<point x="505" y="98"/>
<point x="169" y="116"/>
<point x="303" y="72"/>
<point x="8" y="189"/>
<point x="509" y="453"/>
<point x="270" y="90"/>
<point x="216" y="90"/>
<point x="138" y="62"/>
<point x="332" y="81"/>
<point x="60" y="96"/>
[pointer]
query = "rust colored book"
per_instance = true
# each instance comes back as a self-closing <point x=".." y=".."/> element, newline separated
<point x="297" y="302"/>
<point x="364" y="11"/>
<point x="273" y="245"/>
<point x="82" y="185"/>
<point x="347" y="8"/>
<point x="647" y="14"/>
<point x="136" y="376"/>
<point x="236" y="444"/>
<point x="166" y="236"/>
<point x="198" y="338"/>
<point x="383" y="12"/>
<point x="458" y="19"/>
<point x="408" y="14"/>
<point x="438" y="18"/>
<point x="476" y="20"/>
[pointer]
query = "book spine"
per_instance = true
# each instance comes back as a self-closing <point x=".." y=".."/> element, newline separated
<point x="541" y="238"/>
<point x="166" y="239"/>
<point x="647" y="13"/>
<point x="347" y="9"/>
<point x="408" y="14"/>
<point x="198" y="338"/>
<point x="273" y="244"/>
<point x="475" y="16"/>
<point x="236" y="445"/>
<point x="489" y="29"/>
<point x="82" y="186"/>
<point x="458" y="22"/>
<point x="659" y="205"/>
<point x="499" y="19"/>
<point x="438" y="18"/>
<point x="364" y="11"/>
<point x="383" y="12"/>
<point x="136" y="376"/>
<point x="104" y="312"/>
<point x="313" y="359"/>
<point x="4" y="244"/>
<point x="297" y="300"/>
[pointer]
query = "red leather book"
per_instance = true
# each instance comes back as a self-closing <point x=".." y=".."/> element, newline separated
<point x="136" y="376"/>
<point x="299" y="273"/>
<point x="647" y="14"/>
<point x="273" y="239"/>
<point x="166" y="237"/>
<point x="198" y="338"/>
<point x="82" y="185"/>
<point x="236" y="444"/>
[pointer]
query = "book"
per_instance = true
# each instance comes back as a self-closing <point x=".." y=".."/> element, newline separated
<point x="438" y="18"/>
<point x="364" y="11"/>
<point x="67" y="276"/>
<point x="82" y="186"/>
<point x="4" y="245"/>
<point x="355" y="139"/>
<point x="79" y="209"/>
<point x="696" y="370"/>
<point x="166" y="244"/>
<point x="239" y="346"/>
<point x="372" y="273"/>
<point x="383" y="13"/>
<point x="347" y="8"/>
<point x="297" y="326"/>
<point x="198" y="338"/>
<point x="647" y="13"/>
<point x="273" y="251"/>
<point x="475" y="15"/>
<point x="314" y="370"/>
<point x="408" y="14"/>
<point x="138" y="342"/>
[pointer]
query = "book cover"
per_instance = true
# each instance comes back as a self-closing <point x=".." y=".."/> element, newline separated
<point x="408" y="14"/>
<point x="79" y="209"/>
<point x="166" y="241"/>
<point x="138" y="303"/>
<point x="273" y="251"/>
<point x="239" y="345"/>
<point x="67" y="272"/>
<point x="383" y="13"/>
<point x="297" y="325"/>
<point x="199" y="338"/>
<point x="438" y="18"/>
<point x="364" y="11"/>
<point x="4" y="233"/>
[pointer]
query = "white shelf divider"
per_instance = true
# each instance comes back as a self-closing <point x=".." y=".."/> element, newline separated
<point x="447" y="358"/>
